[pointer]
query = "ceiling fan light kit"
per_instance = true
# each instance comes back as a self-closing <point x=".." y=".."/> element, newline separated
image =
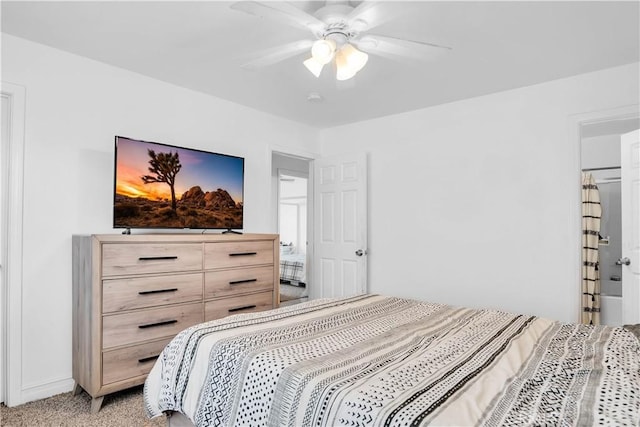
<point x="349" y="60"/>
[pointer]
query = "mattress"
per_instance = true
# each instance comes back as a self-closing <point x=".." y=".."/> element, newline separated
<point x="386" y="361"/>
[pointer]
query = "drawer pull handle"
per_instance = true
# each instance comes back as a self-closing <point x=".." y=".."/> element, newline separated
<point x="246" y="307"/>
<point x="237" y="282"/>
<point x="156" y="258"/>
<point x="150" y="325"/>
<point x="243" y="253"/>
<point x="148" y="359"/>
<point x="157" y="291"/>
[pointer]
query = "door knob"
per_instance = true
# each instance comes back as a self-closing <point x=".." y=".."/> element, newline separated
<point x="360" y="252"/>
<point x="623" y="261"/>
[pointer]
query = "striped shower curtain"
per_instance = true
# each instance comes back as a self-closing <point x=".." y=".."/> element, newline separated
<point x="591" y="214"/>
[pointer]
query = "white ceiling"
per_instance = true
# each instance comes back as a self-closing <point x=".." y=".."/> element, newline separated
<point x="200" y="45"/>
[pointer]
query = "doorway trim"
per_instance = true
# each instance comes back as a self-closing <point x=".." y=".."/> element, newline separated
<point x="12" y="206"/>
<point x="576" y="122"/>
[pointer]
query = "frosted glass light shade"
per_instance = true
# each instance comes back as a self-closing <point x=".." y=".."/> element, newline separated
<point x="314" y="66"/>
<point x="323" y="50"/>
<point x="343" y="70"/>
<point x="355" y="58"/>
<point x="349" y="61"/>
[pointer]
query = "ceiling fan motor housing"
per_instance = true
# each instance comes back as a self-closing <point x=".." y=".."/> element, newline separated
<point x="334" y="15"/>
<point x="339" y="37"/>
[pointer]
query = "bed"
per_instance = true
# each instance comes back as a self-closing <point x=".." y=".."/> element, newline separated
<point x="292" y="269"/>
<point x="386" y="361"/>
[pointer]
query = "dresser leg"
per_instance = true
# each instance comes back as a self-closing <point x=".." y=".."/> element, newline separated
<point x="96" y="404"/>
<point x="76" y="389"/>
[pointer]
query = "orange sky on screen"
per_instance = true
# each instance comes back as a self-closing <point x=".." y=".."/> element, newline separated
<point x="130" y="184"/>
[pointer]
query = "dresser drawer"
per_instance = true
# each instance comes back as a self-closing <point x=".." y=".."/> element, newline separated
<point x="241" y="280"/>
<point x="145" y="258"/>
<point x="143" y="325"/>
<point x="130" y="362"/>
<point x="237" y="254"/>
<point x="235" y="305"/>
<point x="141" y="292"/>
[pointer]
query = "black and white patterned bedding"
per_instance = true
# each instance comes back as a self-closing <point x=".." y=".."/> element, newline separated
<point x="375" y="360"/>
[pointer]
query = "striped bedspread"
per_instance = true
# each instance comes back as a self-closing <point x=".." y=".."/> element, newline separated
<point x="375" y="360"/>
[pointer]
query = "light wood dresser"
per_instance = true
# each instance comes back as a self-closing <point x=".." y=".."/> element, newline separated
<point x="133" y="293"/>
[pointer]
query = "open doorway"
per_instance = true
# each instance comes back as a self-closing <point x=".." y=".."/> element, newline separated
<point x="601" y="163"/>
<point x="293" y="217"/>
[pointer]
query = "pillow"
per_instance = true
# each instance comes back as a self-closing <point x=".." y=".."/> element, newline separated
<point x="286" y="249"/>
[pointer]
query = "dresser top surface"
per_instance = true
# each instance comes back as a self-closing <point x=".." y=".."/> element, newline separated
<point x="178" y="237"/>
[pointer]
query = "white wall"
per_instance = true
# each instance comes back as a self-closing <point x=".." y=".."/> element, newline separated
<point x="74" y="108"/>
<point x="600" y="151"/>
<point x="472" y="203"/>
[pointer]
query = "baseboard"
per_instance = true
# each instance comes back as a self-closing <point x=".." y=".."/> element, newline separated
<point x="42" y="391"/>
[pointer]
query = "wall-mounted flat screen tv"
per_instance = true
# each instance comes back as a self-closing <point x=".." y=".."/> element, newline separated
<point x="166" y="186"/>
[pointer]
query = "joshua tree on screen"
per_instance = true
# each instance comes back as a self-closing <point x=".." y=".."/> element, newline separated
<point x="164" y="167"/>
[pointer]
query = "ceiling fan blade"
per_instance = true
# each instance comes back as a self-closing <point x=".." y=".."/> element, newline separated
<point x="272" y="55"/>
<point x="283" y="12"/>
<point x="370" y="14"/>
<point x="391" y="46"/>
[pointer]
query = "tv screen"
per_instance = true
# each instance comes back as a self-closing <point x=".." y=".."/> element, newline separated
<point x="165" y="186"/>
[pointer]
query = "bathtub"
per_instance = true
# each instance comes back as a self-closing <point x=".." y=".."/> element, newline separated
<point x="611" y="303"/>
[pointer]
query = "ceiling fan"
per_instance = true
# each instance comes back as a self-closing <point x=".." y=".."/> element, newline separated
<point x="341" y="33"/>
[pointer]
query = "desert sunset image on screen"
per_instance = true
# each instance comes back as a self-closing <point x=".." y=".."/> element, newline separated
<point x="165" y="186"/>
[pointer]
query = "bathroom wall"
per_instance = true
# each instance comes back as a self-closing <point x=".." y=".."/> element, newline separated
<point x="611" y="231"/>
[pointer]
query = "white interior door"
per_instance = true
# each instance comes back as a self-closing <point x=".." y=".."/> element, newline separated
<point x="630" y="162"/>
<point x="340" y="226"/>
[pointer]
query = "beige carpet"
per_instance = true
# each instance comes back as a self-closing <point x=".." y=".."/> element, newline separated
<point x="122" y="409"/>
